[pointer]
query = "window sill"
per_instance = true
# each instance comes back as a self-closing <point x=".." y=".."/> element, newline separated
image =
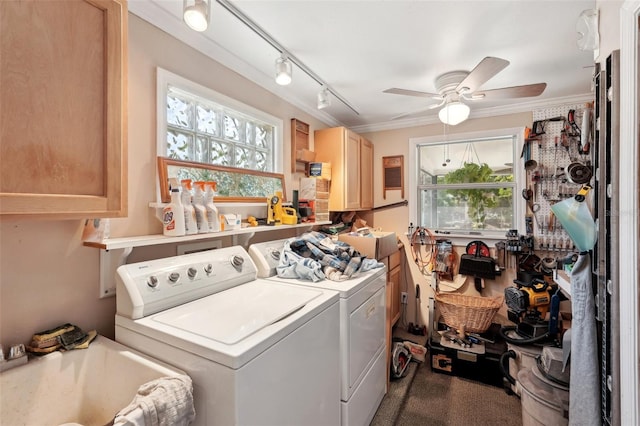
<point x="464" y="238"/>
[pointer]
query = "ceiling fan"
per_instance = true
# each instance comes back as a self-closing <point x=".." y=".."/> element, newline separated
<point x="455" y="86"/>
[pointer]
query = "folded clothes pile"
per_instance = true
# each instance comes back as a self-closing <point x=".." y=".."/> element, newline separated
<point x="63" y="337"/>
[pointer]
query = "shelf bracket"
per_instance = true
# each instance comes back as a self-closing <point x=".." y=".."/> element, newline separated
<point x="110" y="260"/>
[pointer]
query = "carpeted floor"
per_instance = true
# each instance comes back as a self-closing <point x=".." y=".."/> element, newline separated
<point x="425" y="398"/>
<point x="439" y="400"/>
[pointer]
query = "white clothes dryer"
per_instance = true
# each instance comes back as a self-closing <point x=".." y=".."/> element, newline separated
<point x="258" y="352"/>
<point x="363" y="369"/>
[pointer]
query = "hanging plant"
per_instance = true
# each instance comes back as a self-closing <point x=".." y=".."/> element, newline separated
<point x="478" y="199"/>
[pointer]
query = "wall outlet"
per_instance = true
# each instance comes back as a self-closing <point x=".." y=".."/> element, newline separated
<point x="403" y="297"/>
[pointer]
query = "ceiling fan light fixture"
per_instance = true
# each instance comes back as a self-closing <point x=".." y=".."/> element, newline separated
<point x="196" y="14"/>
<point x="324" y="98"/>
<point x="454" y="113"/>
<point x="283" y="71"/>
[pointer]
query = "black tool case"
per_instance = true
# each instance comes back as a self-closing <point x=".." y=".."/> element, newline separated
<point x="484" y="368"/>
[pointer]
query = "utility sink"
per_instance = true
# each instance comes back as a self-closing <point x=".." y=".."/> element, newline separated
<point x="81" y="386"/>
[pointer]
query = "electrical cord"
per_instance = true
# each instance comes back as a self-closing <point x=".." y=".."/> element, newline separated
<point x="420" y="238"/>
<point x="520" y="341"/>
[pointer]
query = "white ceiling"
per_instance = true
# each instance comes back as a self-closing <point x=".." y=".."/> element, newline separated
<point x="362" y="47"/>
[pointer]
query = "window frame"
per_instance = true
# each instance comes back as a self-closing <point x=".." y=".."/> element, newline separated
<point x="165" y="78"/>
<point x="414" y="193"/>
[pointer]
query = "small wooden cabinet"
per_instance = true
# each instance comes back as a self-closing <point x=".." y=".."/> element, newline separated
<point x="351" y="158"/>
<point x="63" y="93"/>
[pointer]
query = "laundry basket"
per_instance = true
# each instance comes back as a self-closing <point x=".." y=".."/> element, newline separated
<point x="473" y="313"/>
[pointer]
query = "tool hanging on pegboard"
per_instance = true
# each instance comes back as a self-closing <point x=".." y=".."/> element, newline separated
<point x="560" y="142"/>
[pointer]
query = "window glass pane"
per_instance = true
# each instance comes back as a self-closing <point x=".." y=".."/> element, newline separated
<point x="243" y="157"/>
<point x="440" y="159"/>
<point x="263" y="138"/>
<point x="179" y="112"/>
<point x="232" y="128"/>
<point x="179" y="145"/>
<point x="467" y="185"/>
<point x="221" y="154"/>
<point x="461" y="209"/>
<point x="201" y="150"/>
<point x="261" y="161"/>
<point x="207" y="120"/>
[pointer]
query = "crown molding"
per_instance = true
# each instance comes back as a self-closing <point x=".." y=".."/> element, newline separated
<point x="477" y="113"/>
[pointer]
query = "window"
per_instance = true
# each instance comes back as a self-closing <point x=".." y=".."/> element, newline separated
<point x="467" y="184"/>
<point x="200" y="125"/>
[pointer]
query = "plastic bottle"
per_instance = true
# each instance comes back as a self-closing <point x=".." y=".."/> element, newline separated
<point x="213" y="216"/>
<point x="173" y="216"/>
<point x="190" y="223"/>
<point x="200" y="208"/>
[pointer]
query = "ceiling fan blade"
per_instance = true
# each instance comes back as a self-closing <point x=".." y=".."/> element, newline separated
<point x="396" y="91"/>
<point x="420" y="111"/>
<point x="528" y="90"/>
<point x="412" y="113"/>
<point x="486" y="69"/>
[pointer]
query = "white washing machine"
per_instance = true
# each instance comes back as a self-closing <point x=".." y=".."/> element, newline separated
<point x="258" y="352"/>
<point x="363" y="369"/>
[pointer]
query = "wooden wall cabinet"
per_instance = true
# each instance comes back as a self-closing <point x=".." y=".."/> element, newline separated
<point x="63" y="94"/>
<point x="351" y="158"/>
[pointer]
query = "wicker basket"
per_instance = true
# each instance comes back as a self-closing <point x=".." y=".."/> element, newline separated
<point x="474" y="313"/>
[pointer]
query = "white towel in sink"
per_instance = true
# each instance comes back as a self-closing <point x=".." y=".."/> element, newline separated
<point x="162" y="402"/>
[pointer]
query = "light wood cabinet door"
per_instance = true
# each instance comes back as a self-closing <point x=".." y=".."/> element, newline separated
<point x="393" y="277"/>
<point x="63" y="108"/>
<point x="351" y="158"/>
<point x="366" y="174"/>
<point x="352" y="166"/>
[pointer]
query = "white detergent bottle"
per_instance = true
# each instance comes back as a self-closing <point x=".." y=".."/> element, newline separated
<point x="200" y="208"/>
<point x="213" y="216"/>
<point x="190" y="223"/>
<point x="173" y="216"/>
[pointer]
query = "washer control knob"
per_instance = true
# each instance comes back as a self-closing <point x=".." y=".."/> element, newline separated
<point x="192" y="272"/>
<point x="237" y="261"/>
<point x="152" y="281"/>
<point x="275" y="254"/>
<point x="174" y="276"/>
<point x="208" y="269"/>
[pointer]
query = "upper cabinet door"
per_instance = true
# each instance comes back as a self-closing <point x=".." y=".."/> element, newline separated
<point x="366" y="175"/>
<point x="352" y="171"/>
<point x="63" y="108"/>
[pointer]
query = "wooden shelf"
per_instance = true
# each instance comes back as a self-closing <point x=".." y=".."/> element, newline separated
<point x="157" y="239"/>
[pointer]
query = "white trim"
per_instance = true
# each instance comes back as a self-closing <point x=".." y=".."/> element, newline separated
<point x="628" y="222"/>
<point x="164" y="78"/>
<point x="518" y="132"/>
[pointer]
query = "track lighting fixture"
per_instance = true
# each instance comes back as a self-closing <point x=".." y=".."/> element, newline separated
<point x="324" y="99"/>
<point x="196" y="14"/>
<point x="454" y="112"/>
<point x="283" y="71"/>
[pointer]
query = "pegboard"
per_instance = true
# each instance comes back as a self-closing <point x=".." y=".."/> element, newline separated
<point x="555" y="145"/>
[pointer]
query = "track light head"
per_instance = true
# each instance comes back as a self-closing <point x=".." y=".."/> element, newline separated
<point x="196" y="14"/>
<point x="324" y="98"/>
<point x="283" y="71"/>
